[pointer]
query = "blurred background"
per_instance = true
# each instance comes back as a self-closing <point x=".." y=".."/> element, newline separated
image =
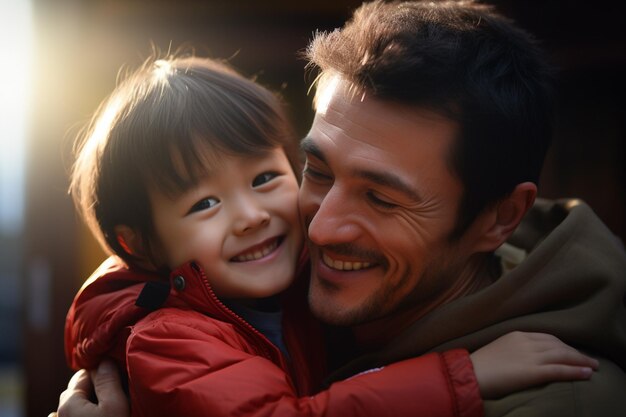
<point x="60" y="58"/>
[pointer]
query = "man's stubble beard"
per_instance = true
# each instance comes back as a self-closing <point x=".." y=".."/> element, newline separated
<point x="428" y="293"/>
<point x="374" y="307"/>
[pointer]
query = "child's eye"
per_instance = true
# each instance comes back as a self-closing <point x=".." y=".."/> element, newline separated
<point x="263" y="178"/>
<point x="204" y="204"/>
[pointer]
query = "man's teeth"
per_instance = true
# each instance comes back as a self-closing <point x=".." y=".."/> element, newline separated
<point x="258" y="253"/>
<point x="344" y="265"/>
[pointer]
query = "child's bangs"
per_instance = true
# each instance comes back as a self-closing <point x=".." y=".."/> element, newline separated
<point x="181" y="163"/>
<point x="197" y="114"/>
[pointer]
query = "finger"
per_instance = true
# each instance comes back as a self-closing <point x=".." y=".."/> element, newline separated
<point x="108" y="387"/>
<point x="557" y="351"/>
<point x="570" y="356"/>
<point x="80" y="381"/>
<point x="76" y="397"/>
<point x="52" y="415"/>
<point x="551" y="373"/>
<point x="573" y="358"/>
<point x="79" y="385"/>
<point x="106" y="380"/>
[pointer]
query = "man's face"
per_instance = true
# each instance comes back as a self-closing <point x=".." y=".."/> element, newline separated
<point x="379" y="203"/>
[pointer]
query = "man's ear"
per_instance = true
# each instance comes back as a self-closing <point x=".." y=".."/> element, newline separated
<point x="502" y="219"/>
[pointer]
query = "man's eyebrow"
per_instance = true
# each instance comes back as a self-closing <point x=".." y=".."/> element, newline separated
<point x="308" y="146"/>
<point x="386" y="179"/>
<point x="389" y="180"/>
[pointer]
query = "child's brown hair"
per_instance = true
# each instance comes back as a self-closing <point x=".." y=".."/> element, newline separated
<point x="167" y="112"/>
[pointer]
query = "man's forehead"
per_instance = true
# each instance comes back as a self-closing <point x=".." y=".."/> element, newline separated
<point x="378" y="129"/>
<point x="339" y="102"/>
<point x="369" y="134"/>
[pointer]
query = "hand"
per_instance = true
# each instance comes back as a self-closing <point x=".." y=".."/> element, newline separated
<point x="520" y="360"/>
<point x="74" y="401"/>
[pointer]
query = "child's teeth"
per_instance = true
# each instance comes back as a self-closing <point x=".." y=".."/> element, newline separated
<point x="257" y="254"/>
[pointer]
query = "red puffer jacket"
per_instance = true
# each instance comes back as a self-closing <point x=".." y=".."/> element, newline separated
<point x="195" y="357"/>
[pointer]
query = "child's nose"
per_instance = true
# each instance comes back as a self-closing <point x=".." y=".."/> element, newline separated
<point x="249" y="218"/>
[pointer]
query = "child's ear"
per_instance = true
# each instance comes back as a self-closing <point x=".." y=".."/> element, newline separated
<point x="134" y="244"/>
<point x="501" y="220"/>
<point x="130" y="240"/>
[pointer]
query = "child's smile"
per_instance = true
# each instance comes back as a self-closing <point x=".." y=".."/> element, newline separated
<point x="259" y="251"/>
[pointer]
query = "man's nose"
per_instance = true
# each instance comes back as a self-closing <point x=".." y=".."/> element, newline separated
<point x="333" y="222"/>
<point x="249" y="215"/>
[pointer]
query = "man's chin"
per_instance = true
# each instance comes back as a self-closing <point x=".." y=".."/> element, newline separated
<point x="327" y="308"/>
<point x="333" y="318"/>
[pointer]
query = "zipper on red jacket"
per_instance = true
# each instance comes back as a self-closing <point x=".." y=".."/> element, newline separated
<point x="262" y="343"/>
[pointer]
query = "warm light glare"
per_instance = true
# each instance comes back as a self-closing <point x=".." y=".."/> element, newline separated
<point x="325" y="92"/>
<point x="16" y="44"/>
<point x="104" y="122"/>
<point x="162" y="69"/>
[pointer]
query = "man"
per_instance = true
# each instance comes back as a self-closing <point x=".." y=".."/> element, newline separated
<point x="432" y="123"/>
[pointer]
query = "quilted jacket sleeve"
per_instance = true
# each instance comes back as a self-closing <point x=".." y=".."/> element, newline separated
<point x="178" y="368"/>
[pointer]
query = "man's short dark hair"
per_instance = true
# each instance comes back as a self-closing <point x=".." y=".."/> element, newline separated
<point x="462" y="59"/>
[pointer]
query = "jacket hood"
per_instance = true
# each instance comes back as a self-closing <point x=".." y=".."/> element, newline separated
<point x="101" y="310"/>
<point x="565" y="274"/>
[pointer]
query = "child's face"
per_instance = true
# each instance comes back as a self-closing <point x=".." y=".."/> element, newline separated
<point x="240" y="224"/>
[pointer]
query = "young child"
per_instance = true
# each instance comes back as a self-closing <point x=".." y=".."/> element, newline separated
<point x="188" y="175"/>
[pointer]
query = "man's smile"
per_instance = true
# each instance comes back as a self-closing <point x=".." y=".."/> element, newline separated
<point x="343" y="265"/>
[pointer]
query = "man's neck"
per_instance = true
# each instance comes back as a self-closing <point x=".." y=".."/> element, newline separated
<point x="478" y="274"/>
